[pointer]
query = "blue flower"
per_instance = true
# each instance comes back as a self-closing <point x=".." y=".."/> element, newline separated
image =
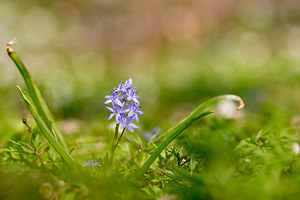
<point x="116" y="110"/>
<point x="114" y="98"/>
<point x="126" y="123"/>
<point x="123" y="95"/>
<point x="134" y="110"/>
<point x="91" y="163"/>
<point x="132" y="95"/>
<point x="149" y="134"/>
<point x="123" y="87"/>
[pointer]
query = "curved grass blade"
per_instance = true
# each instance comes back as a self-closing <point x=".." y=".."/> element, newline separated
<point x="44" y="129"/>
<point x="35" y="94"/>
<point x="163" y="145"/>
<point x="204" y="106"/>
<point x="174" y="131"/>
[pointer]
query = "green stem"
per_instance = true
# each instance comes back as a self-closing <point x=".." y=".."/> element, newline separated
<point x="116" y="133"/>
<point x="36" y="96"/>
<point x="120" y="138"/>
<point x="113" y="148"/>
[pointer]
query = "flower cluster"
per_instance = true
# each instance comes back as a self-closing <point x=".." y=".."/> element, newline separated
<point x="125" y="105"/>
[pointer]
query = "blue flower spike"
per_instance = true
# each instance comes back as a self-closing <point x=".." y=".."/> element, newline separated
<point x="125" y="105"/>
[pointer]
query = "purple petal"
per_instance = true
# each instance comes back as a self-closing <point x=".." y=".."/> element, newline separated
<point x="118" y="117"/>
<point x="137" y="118"/>
<point x="126" y="110"/>
<point x="156" y="129"/>
<point x="112" y="110"/>
<point x="129" y="98"/>
<point x="107" y="101"/>
<point x="129" y="82"/>
<point x="118" y="102"/>
<point x="111" y="115"/>
<point x="133" y="125"/>
<point x="139" y="112"/>
<point x="85" y="162"/>
<point x="148" y="135"/>
<point x="130" y="113"/>
<point x="130" y="129"/>
<point x="122" y="126"/>
<point x="135" y="100"/>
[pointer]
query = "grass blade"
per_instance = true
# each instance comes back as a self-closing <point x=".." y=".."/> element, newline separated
<point x="36" y="96"/>
<point x="204" y="106"/>
<point x="44" y="129"/>
<point x="174" y="131"/>
<point x="163" y="145"/>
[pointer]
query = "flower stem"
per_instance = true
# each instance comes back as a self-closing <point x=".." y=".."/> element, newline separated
<point x="114" y="146"/>
<point x="120" y="138"/>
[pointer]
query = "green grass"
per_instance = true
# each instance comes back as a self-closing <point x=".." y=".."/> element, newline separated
<point x="247" y="156"/>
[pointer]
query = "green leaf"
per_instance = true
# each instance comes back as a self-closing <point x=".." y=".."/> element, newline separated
<point x="201" y="108"/>
<point x="174" y="131"/>
<point x="44" y="129"/>
<point x="52" y="155"/>
<point x="260" y="134"/>
<point x="161" y="147"/>
<point x="36" y="96"/>
<point x="27" y="148"/>
<point x="24" y="146"/>
<point x="49" y="118"/>
<point x="36" y="142"/>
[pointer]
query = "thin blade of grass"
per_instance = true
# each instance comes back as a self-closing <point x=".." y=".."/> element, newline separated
<point x="174" y="131"/>
<point x="36" y="96"/>
<point x="204" y="106"/>
<point x="44" y="129"/>
<point x="163" y="145"/>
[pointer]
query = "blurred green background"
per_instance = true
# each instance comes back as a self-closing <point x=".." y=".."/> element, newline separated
<point x="179" y="54"/>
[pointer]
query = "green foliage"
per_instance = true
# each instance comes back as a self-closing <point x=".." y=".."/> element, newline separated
<point x="173" y="132"/>
<point x="249" y="156"/>
<point x="217" y="158"/>
<point x="49" y="135"/>
<point x="39" y="109"/>
<point x="35" y="94"/>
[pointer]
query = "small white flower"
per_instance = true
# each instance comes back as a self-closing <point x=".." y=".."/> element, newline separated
<point x="296" y="148"/>
<point x="227" y="109"/>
